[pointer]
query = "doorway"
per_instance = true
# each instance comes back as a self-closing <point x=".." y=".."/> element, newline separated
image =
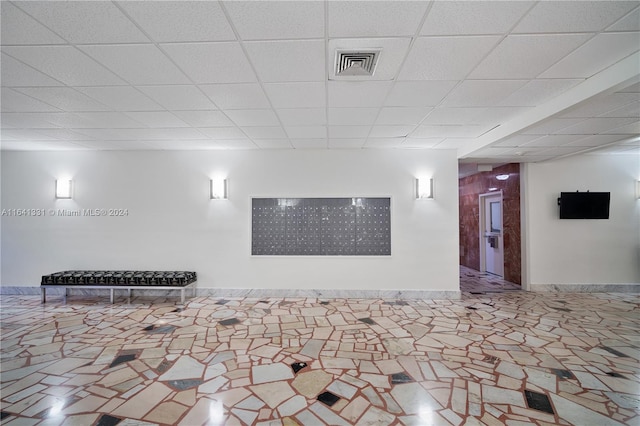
<point x="491" y="237"/>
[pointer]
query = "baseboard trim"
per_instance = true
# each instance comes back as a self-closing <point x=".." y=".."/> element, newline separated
<point x="586" y="288"/>
<point x="250" y="292"/>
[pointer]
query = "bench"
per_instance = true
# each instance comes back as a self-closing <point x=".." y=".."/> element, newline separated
<point x="117" y="280"/>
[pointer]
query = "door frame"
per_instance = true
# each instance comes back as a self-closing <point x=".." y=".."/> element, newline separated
<point x="482" y="198"/>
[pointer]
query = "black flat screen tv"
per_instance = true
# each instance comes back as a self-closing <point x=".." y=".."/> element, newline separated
<point x="584" y="205"/>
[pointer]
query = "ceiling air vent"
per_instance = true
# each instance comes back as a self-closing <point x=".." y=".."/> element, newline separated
<point x="356" y="63"/>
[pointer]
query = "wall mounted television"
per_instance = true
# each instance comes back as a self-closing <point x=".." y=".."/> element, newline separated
<point x="584" y="205"/>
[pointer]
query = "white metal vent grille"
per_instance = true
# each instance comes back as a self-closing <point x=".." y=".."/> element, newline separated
<point x="350" y="63"/>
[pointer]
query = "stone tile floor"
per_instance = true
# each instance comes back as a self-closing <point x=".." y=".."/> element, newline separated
<point x="511" y="358"/>
<point x="475" y="282"/>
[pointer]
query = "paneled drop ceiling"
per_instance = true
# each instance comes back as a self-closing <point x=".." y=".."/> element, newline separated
<point x="503" y="81"/>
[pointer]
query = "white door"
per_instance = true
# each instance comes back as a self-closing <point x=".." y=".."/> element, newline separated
<point x="492" y="241"/>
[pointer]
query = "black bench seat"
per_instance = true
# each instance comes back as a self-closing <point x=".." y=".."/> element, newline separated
<point x="112" y="280"/>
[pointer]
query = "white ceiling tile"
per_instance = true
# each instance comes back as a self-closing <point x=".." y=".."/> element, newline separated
<point x="551" y="140"/>
<point x="420" y="142"/>
<point x="374" y="18"/>
<point x="445" y="58"/>
<point x="446" y="131"/>
<point x="340" y="143"/>
<point x="390" y="131"/>
<point x="293" y="95"/>
<point x="453" y="143"/>
<point x="270" y="20"/>
<point x="376" y="143"/>
<point x="25" y="134"/>
<point x="123" y="98"/>
<point x="630" y="22"/>
<point x="481" y="92"/>
<point x="306" y="132"/>
<point x="265" y="132"/>
<point x="551" y="125"/>
<point x="236" y="96"/>
<point x="290" y="60"/>
<point x="352" y="116"/>
<point x="402" y="115"/>
<point x="98" y="134"/>
<point x="392" y="54"/>
<point x="85" y="22"/>
<point x="473" y="115"/>
<point x="63" y="134"/>
<point x="418" y="93"/>
<point x="572" y="16"/>
<point x="18" y="102"/>
<point x="177" y="21"/>
<point x="64" y="63"/>
<point x="632" y="128"/>
<point x="204" y="118"/>
<point x="223" y="133"/>
<point x="309" y="143"/>
<point x="223" y="62"/>
<point x="526" y="56"/>
<point x="69" y="120"/>
<point x="273" y="143"/>
<point x="516" y="140"/>
<point x="369" y="94"/>
<point x="348" y="132"/>
<point x="26" y="120"/>
<point x="630" y="110"/>
<point x="159" y="134"/>
<point x="159" y="119"/>
<point x="538" y="91"/>
<point x="593" y="126"/>
<point x="603" y="105"/>
<point x="110" y="120"/>
<point x="302" y="116"/>
<point x="178" y="97"/>
<point x="137" y="63"/>
<point x="473" y="17"/>
<point x="65" y="98"/>
<point x="15" y="73"/>
<point x="19" y="28"/>
<point x="253" y="117"/>
<point x="595" y="55"/>
<point x="594" y="140"/>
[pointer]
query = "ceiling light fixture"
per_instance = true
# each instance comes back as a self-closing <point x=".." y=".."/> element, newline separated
<point x="502" y="177"/>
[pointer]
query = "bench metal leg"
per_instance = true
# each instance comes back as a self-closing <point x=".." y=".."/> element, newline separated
<point x="44" y="294"/>
<point x="64" y="298"/>
<point x="128" y="296"/>
<point x="182" y="295"/>
<point x="111" y="295"/>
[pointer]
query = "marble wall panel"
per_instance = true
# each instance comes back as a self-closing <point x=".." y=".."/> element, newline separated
<point x="470" y="188"/>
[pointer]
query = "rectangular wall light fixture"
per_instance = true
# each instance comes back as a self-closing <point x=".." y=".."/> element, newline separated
<point x="424" y="188"/>
<point x="638" y="189"/>
<point x="218" y="189"/>
<point x="64" y="188"/>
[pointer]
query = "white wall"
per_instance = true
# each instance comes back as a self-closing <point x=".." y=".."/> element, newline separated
<point x="562" y="252"/>
<point x="172" y="223"/>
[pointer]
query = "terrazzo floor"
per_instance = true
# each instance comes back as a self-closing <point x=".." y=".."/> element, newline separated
<point x="511" y="358"/>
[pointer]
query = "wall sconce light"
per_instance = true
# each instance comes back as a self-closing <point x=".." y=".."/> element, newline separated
<point x="64" y="188"/>
<point x="424" y="188"/>
<point x="218" y="189"/>
<point x="502" y="177"/>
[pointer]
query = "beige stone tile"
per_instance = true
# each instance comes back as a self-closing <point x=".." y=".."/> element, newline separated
<point x="143" y="401"/>
<point x="166" y="412"/>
